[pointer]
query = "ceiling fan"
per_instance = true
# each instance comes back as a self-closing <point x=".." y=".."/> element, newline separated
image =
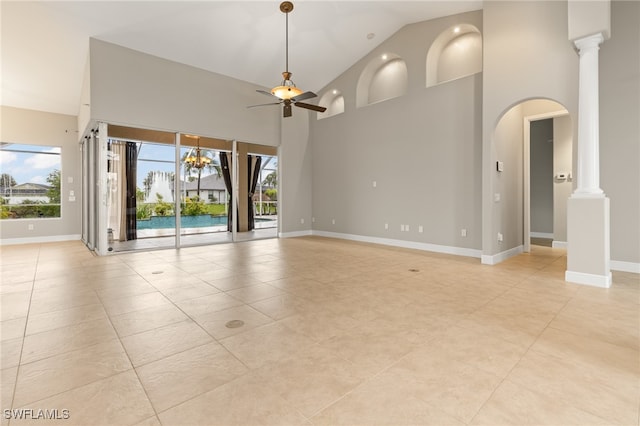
<point x="287" y="93"/>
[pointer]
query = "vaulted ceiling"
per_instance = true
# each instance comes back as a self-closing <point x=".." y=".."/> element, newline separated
<point x="45" y="44"/>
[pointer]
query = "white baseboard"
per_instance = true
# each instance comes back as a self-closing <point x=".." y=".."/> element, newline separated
<point x="541" y="234"/>
<point x="38" y="240"/>
<point x="295" y="234"/>
<point x="502" y="256"/>
<point x="459" y="251"/>
<point x="559" y="244"/>
<point x="602" y="281"/>
<point x="618" y="265"/>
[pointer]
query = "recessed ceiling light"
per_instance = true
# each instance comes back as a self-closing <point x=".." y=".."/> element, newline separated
<point x="335" y="92"/>
<point x="384" y="57"/>
<point x="456" y="30"/>
<point x="370" y="36"/>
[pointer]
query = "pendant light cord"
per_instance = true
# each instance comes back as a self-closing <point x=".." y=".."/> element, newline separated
<point x="287" y="42"/>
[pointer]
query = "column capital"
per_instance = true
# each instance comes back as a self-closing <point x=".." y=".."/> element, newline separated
<point x="589" y="42"/>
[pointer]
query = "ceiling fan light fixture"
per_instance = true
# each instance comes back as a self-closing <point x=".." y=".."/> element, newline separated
<point x="287" y="89"/>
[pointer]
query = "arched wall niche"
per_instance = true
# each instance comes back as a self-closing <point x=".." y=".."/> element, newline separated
<point x="455" y="53"/>
<point x="333" y="100"/>
<point x="385" y="77"/>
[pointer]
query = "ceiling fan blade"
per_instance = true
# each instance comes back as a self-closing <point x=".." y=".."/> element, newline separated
<point x="286" y="110"/>
<point x="303" y="96"/>
<point x="264" y="92"/>
<point x="311" y="107"/>
<point x="259" y="105"/>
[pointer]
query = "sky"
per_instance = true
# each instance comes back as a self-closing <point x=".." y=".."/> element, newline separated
<point x="25" y="165"/>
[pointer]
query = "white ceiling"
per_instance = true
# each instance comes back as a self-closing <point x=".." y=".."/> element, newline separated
<point x="45" y="43"/>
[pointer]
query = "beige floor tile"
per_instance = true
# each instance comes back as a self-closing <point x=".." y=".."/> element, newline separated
<point x="231" y="281"/>
<point x="312" y="379"/>
<point x="486" y="352"/>
<point x="161" y="342"/>
<point x="139" y="302"/>
<point x="319" y="326"/>
<point x="613" y="363"/>
<point x="7" y="386"/>
<point x="45" y="301"/>
<point x="102" y="282"/>
<point x="371" y="351"/>
<point x="271" y="342"/>
<point x="66" y="339"/>
<point x="12" y="328"/>
<point x="11" y="351"/>
<point x="255" y="293"/>
<point x="15" y="287"/>
<point x="512" y="404"/>
<point x="207" y="304"/>
<point x="125" y="290"/>
<point x="191" y="290"/>
<point x="358" y="338"/>
<point x="244" y="401"/>
<point x="146" y="319"/>
<point x="383" y="401"/>
<point x="619" y="325"/>
<point x="215" y="323"/>
<point x="279" y="307"/>
<point x="63" y="318"/>
<point x="180" y="377"/>
<point x="151" y="421"/>
<point x="457" y="388"/>
<point x="115" y="400"/>
<point x="50" y="376"/>
<point x="14" y="305"/>
<point x="18" y="273"/>
<point x="579" y="386"/>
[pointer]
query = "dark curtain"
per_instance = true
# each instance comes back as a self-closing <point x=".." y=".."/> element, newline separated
<point x="226" y="174"/>
<point x="131" y="162"/>
<point x="253" y="170"/>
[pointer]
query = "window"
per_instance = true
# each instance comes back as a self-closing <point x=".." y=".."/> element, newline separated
<point x="30" y="181"/>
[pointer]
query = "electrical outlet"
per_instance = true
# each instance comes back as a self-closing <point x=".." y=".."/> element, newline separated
<point x="302" y="220"/>
<point x="463" y="232"/>
<point x="500" y="237"/>
<point x="30" y="227"/>
<point x="406" y="228"/>
<point x="401" y="228"/>
<point x="375" y="183"/>
<point x="313" y="219"/>
<point x="496" y="197"/>
<point x="333" y="221"/>
<point x="386" y="226"/>
<point x="420" y="229"/>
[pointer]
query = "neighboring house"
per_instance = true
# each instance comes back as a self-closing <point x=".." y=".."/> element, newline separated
<point x="26" y="191"/>
<point x="212" y="189"/>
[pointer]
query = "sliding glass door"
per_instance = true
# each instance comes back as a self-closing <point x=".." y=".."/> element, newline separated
<point x="156" y="189"/>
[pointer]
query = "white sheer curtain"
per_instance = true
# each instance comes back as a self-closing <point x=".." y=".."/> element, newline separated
<point x="117" y="179"/>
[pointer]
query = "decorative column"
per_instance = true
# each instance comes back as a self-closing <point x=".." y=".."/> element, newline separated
<point x="588" y="251"/>
<point x="588" y="168"/>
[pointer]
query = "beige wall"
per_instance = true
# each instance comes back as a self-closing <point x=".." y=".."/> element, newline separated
<point x="527" y="55"/>
<point x="423" y="150"/>
<point x="620" y="130"/>
<point x="139" y="90"/>
<point x="43" y="128"/>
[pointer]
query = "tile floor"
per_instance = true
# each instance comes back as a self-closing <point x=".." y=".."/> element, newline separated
<point x="335" y="333"/>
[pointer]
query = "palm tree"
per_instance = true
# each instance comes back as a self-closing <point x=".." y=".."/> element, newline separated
<point x="190" y="167"/>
